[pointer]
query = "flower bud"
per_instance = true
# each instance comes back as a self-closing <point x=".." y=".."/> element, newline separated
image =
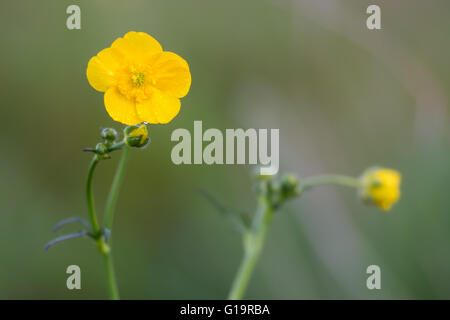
<point x="289" y="184"/>
<point x="109" y="135"/>
<point x="380" y="187"/>
<point x="136" y="136"/>
<point x="101" y="150"/>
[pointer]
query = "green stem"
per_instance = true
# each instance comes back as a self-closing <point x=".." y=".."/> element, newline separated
<point x="255" y="236"/>
<point x="113" y="193"/>
<point x="117" y="146"/>
<point x="90" y="197"/>
<point x="253" y="244"/>
<point x="108" y="222"/>
<point x="113" y="289"/>
<point x="329" y="179"/>
<point x="104" y="249"/>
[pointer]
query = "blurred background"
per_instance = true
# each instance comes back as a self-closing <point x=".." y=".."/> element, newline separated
<point x="344" y="98"/>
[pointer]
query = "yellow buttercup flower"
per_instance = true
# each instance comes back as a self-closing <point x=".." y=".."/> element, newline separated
<point x="142" y="83"/>
<point x="381" y="187"/>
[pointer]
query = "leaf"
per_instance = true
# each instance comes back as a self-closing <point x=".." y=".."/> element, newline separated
<point x="107" y="234"/>
<point x="66" y="237"/>
<point x="70" y="220"/>
<point x="236" y="219"/>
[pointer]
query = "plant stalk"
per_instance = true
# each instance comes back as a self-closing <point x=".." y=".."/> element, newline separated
<point x="113" y="289"/>
<point x="253" y="244"/>
<point x="103" y="247"/>
<point x="329" y="179"/>
<point x="90" y="196"/>
<point x="113" y="193"/>
<point x="254" y="237"/>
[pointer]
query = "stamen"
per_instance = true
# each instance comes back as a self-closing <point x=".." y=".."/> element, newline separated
<point x="137" y="78"/>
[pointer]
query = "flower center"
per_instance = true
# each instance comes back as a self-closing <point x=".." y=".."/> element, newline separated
<point x="137" y="78"/>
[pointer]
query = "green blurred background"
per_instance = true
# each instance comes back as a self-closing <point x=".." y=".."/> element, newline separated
<point x="343" y="97"/>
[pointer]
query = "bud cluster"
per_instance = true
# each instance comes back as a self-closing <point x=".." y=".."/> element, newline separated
<point x="136" y="136"/>
<point x="278" y="190"/>
<point x="133" y="136"/>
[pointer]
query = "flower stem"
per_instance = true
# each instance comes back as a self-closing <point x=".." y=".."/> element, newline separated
<point x="329" y="179"/>
<point x="255" y="235"/>
<point x="113" y="193"/>
<point x="103" y="247"/>
<point x="113" y="289"/>
<point x="117" y="146"/>
<point x="90" y="197"/>
<point x="108" y="221"/>
<point x="253" y="244"/>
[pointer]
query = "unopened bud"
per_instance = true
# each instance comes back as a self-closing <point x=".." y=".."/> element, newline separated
<point x="102" y="150"/>
<point x="289" y="185"/>
<point x="109" y="135"/>
<point x="136" y="136"/>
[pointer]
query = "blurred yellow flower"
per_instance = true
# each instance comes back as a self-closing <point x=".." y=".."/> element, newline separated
<point x="381" y="187"/>
<point x="142" y="83"/>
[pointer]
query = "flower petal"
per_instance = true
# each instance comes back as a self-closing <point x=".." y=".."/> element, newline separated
<point x="120" y="108"/>
<point x="137" y="46"/>
<point x="171" y="74"/>
<point x="102" y="68"/>
<point x="160" y="107"/>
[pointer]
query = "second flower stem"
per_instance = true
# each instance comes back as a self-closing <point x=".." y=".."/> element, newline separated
<point x="253" y="244"/>
<point x="255" y="235"/>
